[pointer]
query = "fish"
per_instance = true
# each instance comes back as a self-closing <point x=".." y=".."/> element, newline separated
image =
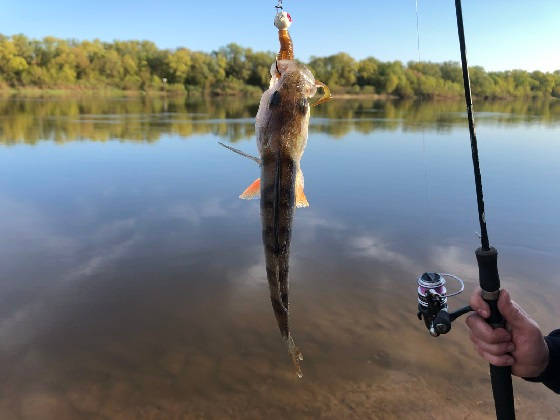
<point x="282" y="130"/>
<point x="281" y="125"/>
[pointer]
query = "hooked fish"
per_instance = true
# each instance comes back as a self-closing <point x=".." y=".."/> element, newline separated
<point x="282" y="129"/>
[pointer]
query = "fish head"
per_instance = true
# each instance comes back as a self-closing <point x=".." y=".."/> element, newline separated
<point x="293" y="79"/>
<point x="283" y="117"/>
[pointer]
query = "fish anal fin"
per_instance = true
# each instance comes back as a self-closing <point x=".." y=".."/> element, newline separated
<point x="301" y="199"/>
<point x="253" y="191"/>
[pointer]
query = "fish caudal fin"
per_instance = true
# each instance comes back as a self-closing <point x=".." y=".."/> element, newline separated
<point x="296" y="356"/>
<point x="301" y="199"/>
<point x="253" y="191"/>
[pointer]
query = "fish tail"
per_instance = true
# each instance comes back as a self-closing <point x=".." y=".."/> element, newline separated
<point x="277" y="210"/>
<point x="278" y="188"/>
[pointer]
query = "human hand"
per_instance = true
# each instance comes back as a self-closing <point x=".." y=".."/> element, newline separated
<point x="520" y="345"/>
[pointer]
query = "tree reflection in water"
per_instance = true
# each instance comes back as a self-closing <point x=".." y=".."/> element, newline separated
<point x="29" y="121"/>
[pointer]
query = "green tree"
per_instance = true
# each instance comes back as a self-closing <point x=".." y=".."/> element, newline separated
<point x="141" y="65"/>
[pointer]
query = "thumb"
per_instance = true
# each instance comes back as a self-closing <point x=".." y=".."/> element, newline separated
<point x="511" y="312"/>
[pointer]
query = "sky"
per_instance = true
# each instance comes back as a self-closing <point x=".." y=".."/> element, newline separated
<point x="501" y="35"/>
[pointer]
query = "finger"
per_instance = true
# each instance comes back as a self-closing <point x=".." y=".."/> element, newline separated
<point x="478" y="304"/>
<point x="505" y="360"/>
<point x="484" y="332"/>
<point x="511" y="311"/>
<point x="499" y="349"/>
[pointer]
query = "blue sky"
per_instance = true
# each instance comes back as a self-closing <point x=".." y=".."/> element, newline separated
<point x="500" y="34"/>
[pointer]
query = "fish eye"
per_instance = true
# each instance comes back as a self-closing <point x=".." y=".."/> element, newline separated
<point x="302" y="105"/>
<point x="275" y="100"/>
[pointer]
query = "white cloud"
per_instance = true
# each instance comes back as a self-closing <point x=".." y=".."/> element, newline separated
<point x="455" y="260"/>
<point x="372" y="247"/>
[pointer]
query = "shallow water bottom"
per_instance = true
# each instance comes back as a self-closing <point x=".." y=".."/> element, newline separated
<point x="168" y="349"/>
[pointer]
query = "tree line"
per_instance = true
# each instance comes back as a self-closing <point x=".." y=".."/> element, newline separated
<point x="53" y="63"/>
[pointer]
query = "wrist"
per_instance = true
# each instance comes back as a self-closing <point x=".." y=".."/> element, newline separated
<point x="538" y="372"/>
<point x="543" y="363"/>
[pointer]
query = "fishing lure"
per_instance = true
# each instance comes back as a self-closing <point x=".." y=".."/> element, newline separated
<point x="283" y="21"/>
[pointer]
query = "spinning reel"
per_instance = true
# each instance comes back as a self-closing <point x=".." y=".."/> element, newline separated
<point x="432" y="302"/>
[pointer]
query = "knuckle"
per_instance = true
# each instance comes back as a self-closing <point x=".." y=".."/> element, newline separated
<point x="502" y="335"/>
<point x="475" y="340"/>
<point x="495" y="360"/>
<point x="498" y="349"/>
<point x="494" y="338"/>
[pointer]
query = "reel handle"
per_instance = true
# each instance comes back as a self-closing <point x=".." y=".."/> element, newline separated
<point x="442" y="322"/>
<point x="462" y="311"/>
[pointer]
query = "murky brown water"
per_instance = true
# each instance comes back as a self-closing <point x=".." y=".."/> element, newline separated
<point x="132" y="281"/>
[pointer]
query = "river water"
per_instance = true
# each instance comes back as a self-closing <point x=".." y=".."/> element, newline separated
<point x="132" y="279"/>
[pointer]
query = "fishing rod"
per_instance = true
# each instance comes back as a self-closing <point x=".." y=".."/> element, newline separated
<point x="432" y="293"/>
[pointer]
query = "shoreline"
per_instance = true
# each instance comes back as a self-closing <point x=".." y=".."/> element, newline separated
<point x="27" y="92"/>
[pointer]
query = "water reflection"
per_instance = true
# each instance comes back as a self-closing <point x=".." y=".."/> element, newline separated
<point x="133" y="281"/>
<point x="148" y="119"/>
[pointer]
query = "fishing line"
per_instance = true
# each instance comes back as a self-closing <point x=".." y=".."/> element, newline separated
<point x="418" y="31"/>
<point x="429" y="216"/>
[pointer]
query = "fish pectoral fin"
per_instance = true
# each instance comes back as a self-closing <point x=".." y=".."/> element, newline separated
<point x="253" y="191"/>
<point x="301" y="199"/>
<point x="239" y="152"/>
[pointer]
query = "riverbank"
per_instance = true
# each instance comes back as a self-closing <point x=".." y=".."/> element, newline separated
<point x="107" y="92"/>
<point x="102" y="92"/>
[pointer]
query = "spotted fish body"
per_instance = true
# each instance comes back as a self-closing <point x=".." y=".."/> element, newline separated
<point x="282" y="130"/>
<point x="282" y="127"/>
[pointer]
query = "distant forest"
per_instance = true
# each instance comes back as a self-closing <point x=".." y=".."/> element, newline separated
<point x="53" y="63"/>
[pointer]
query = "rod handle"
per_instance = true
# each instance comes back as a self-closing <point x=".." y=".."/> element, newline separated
<point x="490" y="283"/>
<point x="488" y="268"/>
<point x="502" y="389"/>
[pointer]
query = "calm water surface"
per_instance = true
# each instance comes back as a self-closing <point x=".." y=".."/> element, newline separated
<point x="132" y="280"/>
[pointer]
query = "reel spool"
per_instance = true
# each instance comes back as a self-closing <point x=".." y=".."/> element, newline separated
<point x="432" y="302"/>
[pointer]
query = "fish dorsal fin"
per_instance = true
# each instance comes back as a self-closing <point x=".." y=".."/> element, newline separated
<point x="253" y="191"/>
